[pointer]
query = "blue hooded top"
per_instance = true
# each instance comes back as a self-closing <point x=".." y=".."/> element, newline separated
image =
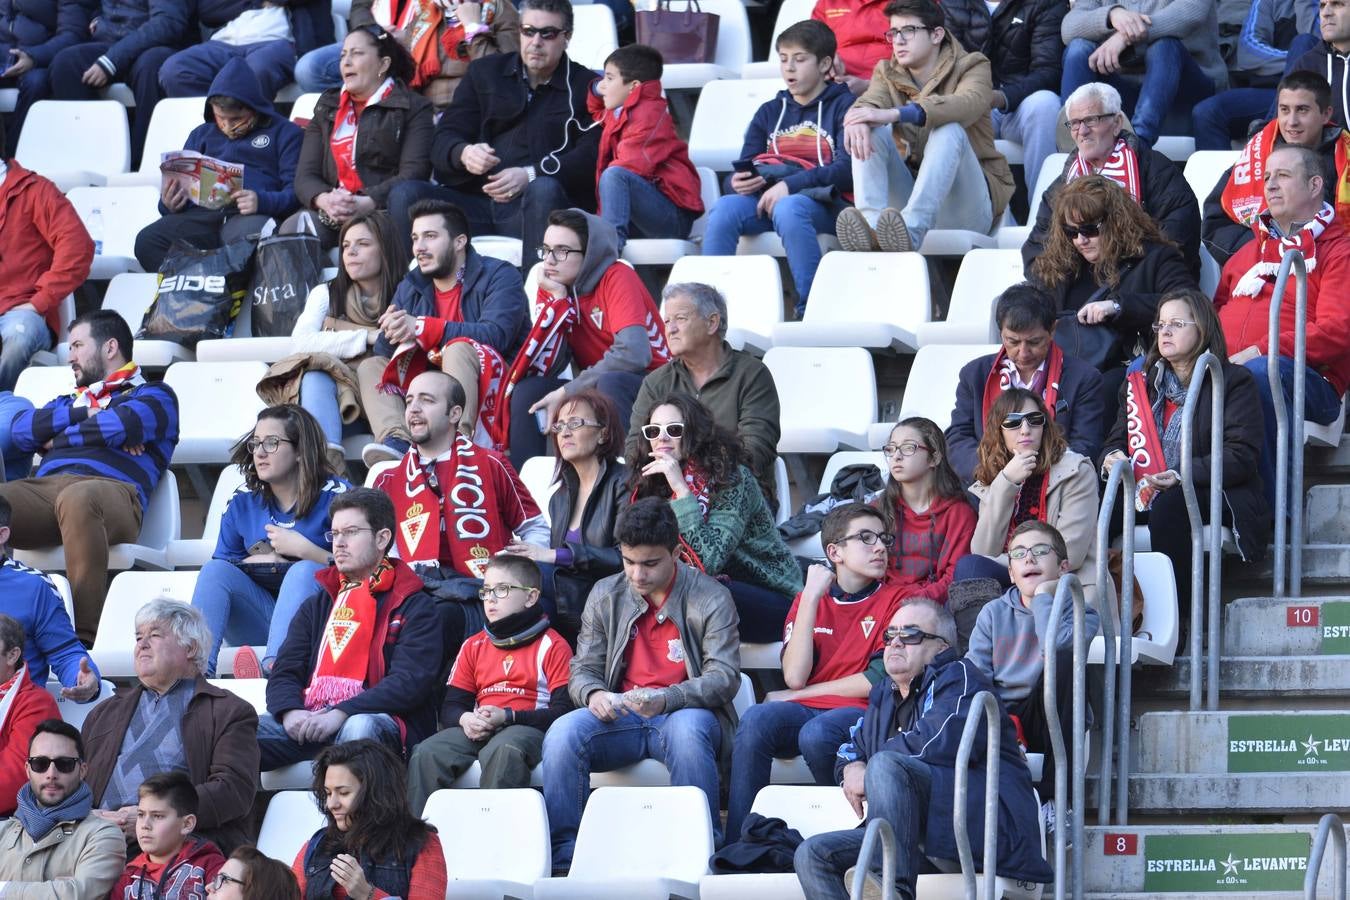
<point x="813" y="133"/>
<point x="269" y="153"/>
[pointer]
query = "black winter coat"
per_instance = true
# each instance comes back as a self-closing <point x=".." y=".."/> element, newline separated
<point x="1021" y="39"/>
<point x="596" y="555"/>
<point x="42" y="28"/>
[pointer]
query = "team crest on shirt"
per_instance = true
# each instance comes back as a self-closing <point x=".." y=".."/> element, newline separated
<point x="598" y="316"/>
<point x="507" y="663"/>
<point x="675" y="650"/>
<point x="868" y="623"/>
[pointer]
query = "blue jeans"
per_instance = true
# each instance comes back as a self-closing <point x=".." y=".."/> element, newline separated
<point x="189" y="73"/>
<point x="1321" y="404"/>
<point x="781" y="730"/>
<point x="318" y="70"/>
<point x="22" y="333"/>
<point x="1032" y="125"/>
<point x="238" y="609"/>
<point x="578" y="744"/>
<point x="1171" y="78"/>
<point x="277" y="749"/>
<point x="1227" y="115"/>
<point x="318" y="397"/>
<point x="630" y="202"/>
<point x="798" y="220"/>
<point x="17" y="462"/>
<point x="898" y="787"/>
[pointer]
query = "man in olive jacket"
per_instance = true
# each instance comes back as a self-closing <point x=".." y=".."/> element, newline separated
<point x="656" y="669"/>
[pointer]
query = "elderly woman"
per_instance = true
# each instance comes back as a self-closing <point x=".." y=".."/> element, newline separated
<point x="171" y="718"/>
<point x="734" y="385"/>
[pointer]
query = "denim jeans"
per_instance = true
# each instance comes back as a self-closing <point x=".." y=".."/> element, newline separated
<point x="318" y="397"/>
<point x="973" y="565"/>
<point x="1033" y="126"/>
<point x="22" y="333"/>
<point x="277" y="749"/>
<point x="1171" y="78"/>
<point x="898" y="787"/>
<point x="237" y="609"/>
<point x="1321" y="404"/>
<point x="781" y="730"/>
<point x="949" y="192"/>
<point x="630" y="202"/>
<point x="17" y="462"/>
<point x="189" y="73"/>
<point x="578" y="744"/>
<point x="1225" y="117"/>
<point x="318" y="70"/>
<point x="796" y="218"/>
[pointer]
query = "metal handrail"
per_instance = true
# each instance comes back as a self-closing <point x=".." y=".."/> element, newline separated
<point x="878" y="830"/>
<point x="1288" y="449"/>
<point x="1205" y="615"/>
<point x="1120" y="482"/>
<point x="1069" y="586"/>
<point x="1330" y="826"/>
<point x="984" y="706"/>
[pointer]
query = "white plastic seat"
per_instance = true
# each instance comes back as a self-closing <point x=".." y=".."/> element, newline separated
<point x="668" y="251"/>
<point x="481" y="865"/>
<point x="874" y="300"/>
<point x="62" y="586"/>
<point x="753" y="288"/>
<point x="292" y="818"/>
<point x="116" y="639"/>
<point x="302" y="107"/>
<point x="789" y="14"/>
<point x="724" y="109"/>
<point x="123" y="211"/>
<point x="594" y="35"/>
<point x="783" y="488"/>
<point x="637" y="844"/>
<point x="984" y="274"/>
<point x="1156" y="642"/>
<point x="207" y="431"/>
<point x="75" y="142"/>
<point x="762" y="656"/>
<point x="243" y="346"/>
<point x="770" y="244"/>
<point x="810" y="546"/>
<point x="1176" y="147"/>
<point x="828" y="397"/>
<point x="1204" y="168"/>
<point x="119" y="92"/>
<point x="194" y="552"/>
<point x="253" y="691"/>
<point x="733" y="50"/>
<point x="1325" y="435"/>
<point x="9" y="99"/>
<point x="498" y="246"/>
<point x="40" y="385"/>
<point x="1011" y="151"/>
<point x="956" y="241"/>
<point x="73" y="713"/>
<point x="171" y="122"/>
<point x="1012" y="238"/>
<point x="130" y="295"/>
<point x="54" y="357"/>
<point x="537" y="475"/>
<point x="931" y="389"/>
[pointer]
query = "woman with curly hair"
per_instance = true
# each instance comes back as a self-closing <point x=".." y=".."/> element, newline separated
<point x="726" y="528"/>
<point x="249" y="874"/>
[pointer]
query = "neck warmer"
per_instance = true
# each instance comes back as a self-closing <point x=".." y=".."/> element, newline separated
<point x="38" y="820"/>
<point x="518" y="628"/>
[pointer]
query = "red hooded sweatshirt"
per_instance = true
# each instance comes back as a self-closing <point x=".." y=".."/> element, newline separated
<point x="858" y="26"/>
<point x="45" y="252"/>
<point x="927" y="546"/>
<point x="32" y="704"/>
<point x="642" y="139"/>
<point x="184" y="877"/>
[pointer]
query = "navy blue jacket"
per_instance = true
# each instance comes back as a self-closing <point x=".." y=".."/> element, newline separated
<point x="29" y="596"/>
<point x="814" y="131"/>
<point x="311" y="20"/>
<point x="42" y="28"/>
<point x="83" y="445"/>
<point x="134" y="26"/>
<point x="929" y="730"/>
<point x="269" y="153"/>
<point x="493" y="304"/>
<point x="1080" y="412"/>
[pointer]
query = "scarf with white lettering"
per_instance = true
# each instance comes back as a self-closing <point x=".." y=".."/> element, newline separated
<point x="9" y="693"/>
<point x="1273" y="249"/>
<point x="1142" y="441"/>
<point x="100" y="393"/>
<point x="1003" y="374"/>
<point x="348" y="646"/>
<point x="415" y="357"/>
<point x="1122" y="167"/>
<point x="1244" y="196"/>
<point x="342" y="142"/>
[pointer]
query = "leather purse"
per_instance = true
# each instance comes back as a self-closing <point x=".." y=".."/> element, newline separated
<point x="682" y="37"/>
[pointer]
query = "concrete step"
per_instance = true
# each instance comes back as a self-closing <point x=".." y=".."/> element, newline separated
<point x="1301" y="742"/>
<point x="1300" y="679"/>
<point x="1213" y="794"/>
<point x="1323" y="564"/>
<point x="1328" y="519"/>
<point x="1308" y="626"/>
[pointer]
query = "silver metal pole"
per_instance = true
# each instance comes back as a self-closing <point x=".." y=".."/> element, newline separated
<point x="1299" y="421"/>
<point x="1202" y="603"/>
<point x="1070" y="590"/>
<point x="878" y="831"/>
<point x="1119" y="483"/>
<point x="1332" y="827"/>
<point x="1292" y="259"/>
<point x="982" y="707"/>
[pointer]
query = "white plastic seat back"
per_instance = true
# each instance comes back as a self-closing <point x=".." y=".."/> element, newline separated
<point x="1050" y="170"/>
<point x="828" y="397"/>
<point x="875" y="300"/>
<point x="724" y="109"/>
<point x="75" y="142"/>
<point x="472" y="825"/>
<point x="931" y="389"/>
<point x="207" y="431"/>
<point x="537" y="474"/>
<point x="1176" y="147"/>
<point x="62" y="586"/>
<point x="789" y="14"/>
<point x="639" y="832"/>
<point x="170" y="124"/>
<point x="752" y="287"/>
<point x="810" y="809"/>
<point x="119" y="214"/>
<point x="733" y="48"/>
<point x="116" y="639"/>
<point x="783" y="488"/>
<point x="130" y="295"/>
<point x="1156" y="641"/>
<point x="984" y="274"/>
<point x="41" y="385"/>
<point x="195" y="552"/>
<point x="838" y="461"/>
<point x="594" y="35"/>
<point x="73" y="713"/>
<point x="303" y="107"/>
<point x="291" y="820"/>
<point x="1203" y="170"/>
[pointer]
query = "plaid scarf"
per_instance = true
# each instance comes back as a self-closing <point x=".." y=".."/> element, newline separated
<point x="1273" y="249"/>
<point x="1031" y="501"/>
<point x="1045" y="382"/>
<point x="100" y="393"/>
<point x="1122" y="167"/>
<point x="349" y="641"/>
<point x="342" y="142"/>
<point x="1244" y="197"/>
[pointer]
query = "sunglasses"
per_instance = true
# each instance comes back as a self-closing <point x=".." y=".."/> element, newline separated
<point x="64" y="764"/>
<point x="1087" y="230"/>
<point x="909" y="635"/>
<point x="548" y="34"/>
<point x="672" y="430"/>
<point x="1014" y="421"/>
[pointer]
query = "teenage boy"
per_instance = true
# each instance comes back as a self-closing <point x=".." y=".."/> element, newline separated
<point x="835" y="624"/>
<point x="174" y="863"/>
<point x="508" y="685"/>
<point x="1013" y="633"/>
<point x="795" y="172"/>
<point x="922" y="140"/>
<point x="644" y="180"/>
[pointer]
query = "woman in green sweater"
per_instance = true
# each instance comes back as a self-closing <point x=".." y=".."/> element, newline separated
<point x="726" y="528"/>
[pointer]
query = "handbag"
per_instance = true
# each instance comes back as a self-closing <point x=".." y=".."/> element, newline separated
<point x="289" y="264"/>
<point x="199" y="293"/>
<point x="683" y="37"/>
<point x="1101" y="346"/>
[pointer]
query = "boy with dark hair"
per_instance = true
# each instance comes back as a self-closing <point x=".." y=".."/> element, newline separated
<point x="800" y="175"/>
<point x="644" y="179"/>
<point x="174" y="864"/>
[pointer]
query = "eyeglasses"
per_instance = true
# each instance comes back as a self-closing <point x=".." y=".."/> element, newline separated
<point x="64" y="764"/>
<point x="1037" y="551"/>
<point x="1089" y="121"/>
<point x="575" y="423"/>
<point x="271" y="443"/>
<point x="1170" y="326"/>
<point x="671" y="430"/>
<point x="869" y="537"/>
<point x="346" y="534"/>
<point x="557" y="254"/>
<point x="222" y="879"/>
<point x="549" y="34"/>
<point x="902" y="35"/>
<point x="500" y="591"/>
<point x="1014" y="421"/>
<point x="909" y="635"/>
<point x="908" y="448"/>
<point x="1089" y="230"/>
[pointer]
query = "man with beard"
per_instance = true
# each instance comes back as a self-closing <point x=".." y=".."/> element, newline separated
<point x="104" y="448"/>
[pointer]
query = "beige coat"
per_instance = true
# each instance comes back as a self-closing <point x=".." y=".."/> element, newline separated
<point x="961" y="90"/>
<point x="72" y="861"/>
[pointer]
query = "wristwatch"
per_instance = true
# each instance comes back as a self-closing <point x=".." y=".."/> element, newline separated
<point x="530" y="173"/>
<point x="1115" y="305"/>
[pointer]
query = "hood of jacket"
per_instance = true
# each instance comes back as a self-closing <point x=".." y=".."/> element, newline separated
<point x="237" y="81"/>
<point x="934" y="514"/>
<point x="602" y="251"/>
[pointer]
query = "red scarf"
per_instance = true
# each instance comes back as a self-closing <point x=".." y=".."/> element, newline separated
<point x="1002" y="373"/>
<point x="342" y="142"/>
<point x="1244" y="197"/>
<point x="697" y="479"/>
<point x="1273" y="249"/>
<point x="1143" y="442"/>
<point x="412" y="359"/>
<point x="347" y="650"/>
<point x="9" y="693"/>
<point x="100" y="393"/>
<point x="542" y="348"/>
<point x="422" y="20"/>
<point x="1122" y="167"/>
<point x="1036" y="510"/>
<point x="463" y="505"/>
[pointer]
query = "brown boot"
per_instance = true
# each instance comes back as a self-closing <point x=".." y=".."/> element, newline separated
<point x="854" y="234"/>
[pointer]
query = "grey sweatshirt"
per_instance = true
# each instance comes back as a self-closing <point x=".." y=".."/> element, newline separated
<point x="1194" y="22"/>
<point x="1008" y="637"/>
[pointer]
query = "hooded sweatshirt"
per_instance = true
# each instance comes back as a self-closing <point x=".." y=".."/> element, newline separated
<point x="184" y="877"/>
<point x="927" y="546"/>
<point x="269" y="152"/>
<point x="1009" y="640"/>
<point x="640" y="136"/>
<point x="1330" y="63"/>
<point x="812" y="134"/>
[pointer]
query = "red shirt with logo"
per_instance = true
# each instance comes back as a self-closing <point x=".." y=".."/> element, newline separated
<point x="849" y="629"/>
<point x="522" y="678"/>
<point x="619" y="301"/>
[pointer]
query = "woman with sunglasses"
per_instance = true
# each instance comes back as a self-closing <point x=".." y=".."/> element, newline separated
<point x="1150" y="419"/>
<point x="372" y="846"/>
<point x="249" y="874"/>
<point x="272" y="537"/>
<point x="726" y="528"/>
<point x="592" y="488"/>
<point x="925" y="508"/>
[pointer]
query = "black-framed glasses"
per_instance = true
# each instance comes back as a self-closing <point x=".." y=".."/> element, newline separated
<point x="902" y="35"/>
<point x="1087" y="230"/>
<point x="909" y="635"/>
<point x="500" y="591"/>
<point x="346" y="534"/>
<point x="869" y="537"/>
<point x="1170" y="326"/>
<point x="1037" y="551"/>
<point x="1014" y="421"/>
<point x="908" y="448"/>
<point x="64" y="764"/>
<point x="557" y="254"/>
<point x="1089" y="121"/>
<point x="576" y="423"/>
<point x="222" y="879"/>
<point x="271" y="443"/>
<point x="549" y="34"/>
<point x="673" y="430"/>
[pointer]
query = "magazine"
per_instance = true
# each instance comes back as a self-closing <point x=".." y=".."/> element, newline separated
<point x="209" y="182"/>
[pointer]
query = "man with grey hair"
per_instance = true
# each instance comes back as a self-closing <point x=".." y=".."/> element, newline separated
<point x="736" y="387"/>
<point x="172" y="719"/>
<point x="1103" y="145"/>
<point x="901" y="760"/>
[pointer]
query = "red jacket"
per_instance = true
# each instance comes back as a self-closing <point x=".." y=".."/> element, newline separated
<point x="1245" y="320"/>
<point x="858" y="26"/>
<point x="927" y="546"/>
<point x="642" y="139"/>
<point x="45" y="253"/>
<point x="32" y="705"/>
<point x="182" y="878"/>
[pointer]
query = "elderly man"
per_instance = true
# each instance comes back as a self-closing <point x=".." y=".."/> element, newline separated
<point x="23" y="704"/>
<point x="56" y="846"/>
<point x="1103" y="146"/>
<point x="736" y="387"/>
<point x="172" y="719"/>
<point x="901" y="761"/>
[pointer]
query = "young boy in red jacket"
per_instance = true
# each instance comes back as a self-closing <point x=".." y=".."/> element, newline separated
<point x="645" y="184"/>
<point x="174" y="864"/>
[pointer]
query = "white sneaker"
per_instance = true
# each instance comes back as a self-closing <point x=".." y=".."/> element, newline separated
<point x="376" y="452"/>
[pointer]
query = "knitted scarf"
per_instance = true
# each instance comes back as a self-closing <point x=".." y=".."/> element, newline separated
<point x="1244" y="197"/>
<point x="37" y="819"/>
<point x="518" y="628"/>
<point x="342" y="142"/>
<point x="543" y="348"/>
<point x="1147" y="453"/>
<point x="1122" y="167"/>
<point x="1273" y="249"/>
<point x="348" y="640"/>
<point x="1004" y="371"/>
<point x="100" y="393"/>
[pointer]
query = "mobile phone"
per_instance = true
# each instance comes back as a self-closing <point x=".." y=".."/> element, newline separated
<point x="260" y="548"/>
<point x="745" y="167"/>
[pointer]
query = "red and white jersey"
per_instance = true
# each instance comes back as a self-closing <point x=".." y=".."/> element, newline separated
<point x="848" y="630"/>
<point x="522" y="678"/>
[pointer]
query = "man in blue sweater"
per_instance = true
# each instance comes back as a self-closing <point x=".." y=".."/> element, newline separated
<point x="104" y="448"/>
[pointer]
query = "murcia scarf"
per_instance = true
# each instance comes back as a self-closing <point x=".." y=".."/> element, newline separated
<point x="9" y="693"/>
<point x="1244" y="197"/>
<point x="348" y="640"/>
<point x="342" y="142"/>
<point x="1142" y="441"/>
<point x="100" y="393"/>
<point x="1122" y="167"/>
<point x="1004" y="372"/>
<point x="1273" y="249"/>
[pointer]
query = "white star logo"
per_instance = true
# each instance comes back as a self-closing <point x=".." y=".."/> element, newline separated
<point x="1310" y="746"/>
<point x="1229" y="865"/>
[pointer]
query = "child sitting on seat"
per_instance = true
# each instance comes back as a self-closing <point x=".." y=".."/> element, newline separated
<point x="173" y="862"/>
